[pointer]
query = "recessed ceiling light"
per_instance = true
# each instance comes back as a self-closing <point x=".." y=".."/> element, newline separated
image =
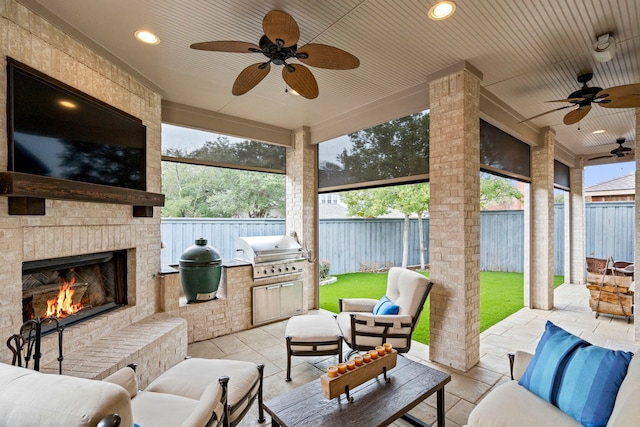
<point x="147" y="37"/>
<point x="599" y="131"/>
<point x="442" y="10"/>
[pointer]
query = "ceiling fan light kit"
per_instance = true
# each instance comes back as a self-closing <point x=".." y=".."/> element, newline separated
<point x="279" y="45"/>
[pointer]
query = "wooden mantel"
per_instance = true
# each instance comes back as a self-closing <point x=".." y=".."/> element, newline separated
<point x="27" y="194"/>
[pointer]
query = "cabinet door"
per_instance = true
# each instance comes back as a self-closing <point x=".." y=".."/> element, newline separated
<point x="266" y="303"/>
<point x="291" y="298"/>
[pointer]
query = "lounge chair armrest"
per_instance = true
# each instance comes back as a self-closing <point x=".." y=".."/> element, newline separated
<point x="519" y="362"/>
<point x="357" y="304"/>
<point x="126" y="378"/>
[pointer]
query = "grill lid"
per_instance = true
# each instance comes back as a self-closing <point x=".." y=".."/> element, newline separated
<point x="268" y="248"/>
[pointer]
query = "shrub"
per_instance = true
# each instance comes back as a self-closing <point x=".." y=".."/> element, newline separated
<point x="324" y="269"/>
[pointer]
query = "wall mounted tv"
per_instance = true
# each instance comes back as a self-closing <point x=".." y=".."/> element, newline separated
<point x="57" y="131"/>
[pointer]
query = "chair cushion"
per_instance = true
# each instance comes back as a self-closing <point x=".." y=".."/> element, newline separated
<point x="510" y="404"/>
<point x="406" y="289"/>
<point x="577" y="377"/>
<point x="313" y="328"/>
<point x="385" y="306"/>
<point x="160" y="409"/>
<point x="191" y="377"/>
<point x="626" y="411"/>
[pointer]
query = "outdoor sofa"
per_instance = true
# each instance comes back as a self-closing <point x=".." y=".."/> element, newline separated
<point x="591" y="391"/>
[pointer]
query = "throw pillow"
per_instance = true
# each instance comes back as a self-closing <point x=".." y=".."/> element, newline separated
<point x="544" y="372"/>
<point x="579" y="378"/>
<point x="385" y="306"/>
<point x="590" y="384"/>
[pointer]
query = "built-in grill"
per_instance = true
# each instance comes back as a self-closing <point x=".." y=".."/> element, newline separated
<point x="277" y="272"/>
<point x="271" y="256"/>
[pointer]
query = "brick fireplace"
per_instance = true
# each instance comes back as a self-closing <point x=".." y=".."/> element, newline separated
<point x="77" y="228"/>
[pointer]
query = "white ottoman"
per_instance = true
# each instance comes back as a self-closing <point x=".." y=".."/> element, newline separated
<point x="312" y="335"/>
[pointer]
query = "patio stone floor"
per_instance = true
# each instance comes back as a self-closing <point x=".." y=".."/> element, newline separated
<point x="520" y="331"/>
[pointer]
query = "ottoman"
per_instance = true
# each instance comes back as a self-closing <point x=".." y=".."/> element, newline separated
<point x="312" y="335"/>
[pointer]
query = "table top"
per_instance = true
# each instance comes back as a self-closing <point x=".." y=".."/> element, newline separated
<point x="376" y="403"/>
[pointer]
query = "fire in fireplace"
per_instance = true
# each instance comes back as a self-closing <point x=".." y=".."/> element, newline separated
<point x="72" y="289"/>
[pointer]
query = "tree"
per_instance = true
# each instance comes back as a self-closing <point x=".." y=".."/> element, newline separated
<point x="390" y="150"/>
<point x="208" y="192"/>
<point x="408" y="199"/>
<point x="495" y="190"/>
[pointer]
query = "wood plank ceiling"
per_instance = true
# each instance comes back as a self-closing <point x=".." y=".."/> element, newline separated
<point x="528" y="51"/>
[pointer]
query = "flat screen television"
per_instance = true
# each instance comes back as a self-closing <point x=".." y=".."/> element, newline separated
<point x="57" y="131"/>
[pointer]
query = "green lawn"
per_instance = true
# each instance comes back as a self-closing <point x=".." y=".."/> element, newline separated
<point x="501" y="294"/>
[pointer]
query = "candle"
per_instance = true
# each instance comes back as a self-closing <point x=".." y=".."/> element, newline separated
<point x="387" y="347"/>
<point x="366" y="357"/>
<point x="351" y="365"/>
<point x="342" y="368"/>
<point x="373" y="354"/>
<point x="358" y="360"/>
<point x="332" y="371"/>
<point x="380" y="350"/>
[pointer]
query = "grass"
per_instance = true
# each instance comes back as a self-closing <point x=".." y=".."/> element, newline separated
<point x="501" y="294"/>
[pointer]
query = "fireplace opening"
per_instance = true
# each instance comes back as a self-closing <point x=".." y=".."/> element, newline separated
<point x="72" y="289"/>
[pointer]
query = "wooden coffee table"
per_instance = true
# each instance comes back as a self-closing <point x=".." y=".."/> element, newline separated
<point x="375" y="403"/>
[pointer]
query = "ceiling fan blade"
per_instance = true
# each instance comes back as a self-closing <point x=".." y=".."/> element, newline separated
<point x="546" y="112"/>
<point x="600" y="157"/>
<point x="301" y="80"/>
<point x="567" y="100"/>
<point x="323" y="56"/>
<point x="250" y="77"/>
<point x="227" y="46"/>
<point x="278" y="25"/>
<point x="625" y="96"/>
<point x="576" y="115"/>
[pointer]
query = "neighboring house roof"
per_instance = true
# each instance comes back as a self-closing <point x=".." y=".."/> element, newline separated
<point x="624" y="184"/>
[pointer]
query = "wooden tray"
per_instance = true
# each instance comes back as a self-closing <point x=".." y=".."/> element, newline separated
<point x="334" y="387"/>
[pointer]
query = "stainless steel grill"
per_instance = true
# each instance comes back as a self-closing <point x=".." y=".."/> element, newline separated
<point x="271" y="256"/>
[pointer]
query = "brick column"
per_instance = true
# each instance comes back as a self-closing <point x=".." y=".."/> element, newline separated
<point x="576" y="272"/>
<point x="454" y="173"/>
<point x="302" y="205"/>
<point x="541" y="285"/>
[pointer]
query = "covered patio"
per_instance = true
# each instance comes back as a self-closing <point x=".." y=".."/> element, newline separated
<point x="520" y="331"/>
<point x="501" y="69"/>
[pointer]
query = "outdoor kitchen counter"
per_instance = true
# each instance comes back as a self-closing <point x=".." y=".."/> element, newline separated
<point x="231" y="311"/>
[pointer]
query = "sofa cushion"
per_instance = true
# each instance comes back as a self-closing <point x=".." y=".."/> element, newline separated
<point x="590" y="384"/>
<point x="386" y="306"/>
<point x="542" y="376"/>
<point x="510" y="404"/>
<point x="76" y="402"/>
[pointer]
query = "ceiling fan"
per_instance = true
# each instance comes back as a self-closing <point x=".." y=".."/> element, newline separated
<point x="626" y="96"/>
<point x="619" y="152"/>
<point x="279" y="45"/>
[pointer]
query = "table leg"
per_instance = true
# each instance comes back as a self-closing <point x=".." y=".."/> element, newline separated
<point x="274" y="423"/>
<point x="440" y="409"/>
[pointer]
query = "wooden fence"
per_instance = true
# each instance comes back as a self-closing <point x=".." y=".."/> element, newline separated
<point x="353" y="244"/>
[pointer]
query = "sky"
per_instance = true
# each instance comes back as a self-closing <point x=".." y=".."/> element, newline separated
<point x="600" y="173"/>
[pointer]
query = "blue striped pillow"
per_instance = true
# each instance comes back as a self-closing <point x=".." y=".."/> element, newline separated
<point x="386" y="306"/>
<point x="579" y="378"/>
<point x="590" y="384"/>
<point x="544" y="371"/>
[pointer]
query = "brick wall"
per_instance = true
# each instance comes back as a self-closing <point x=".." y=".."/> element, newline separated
<point x="72" y="227"/>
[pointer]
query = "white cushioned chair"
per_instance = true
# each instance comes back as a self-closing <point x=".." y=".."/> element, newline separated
<point x="362" y="330"/>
